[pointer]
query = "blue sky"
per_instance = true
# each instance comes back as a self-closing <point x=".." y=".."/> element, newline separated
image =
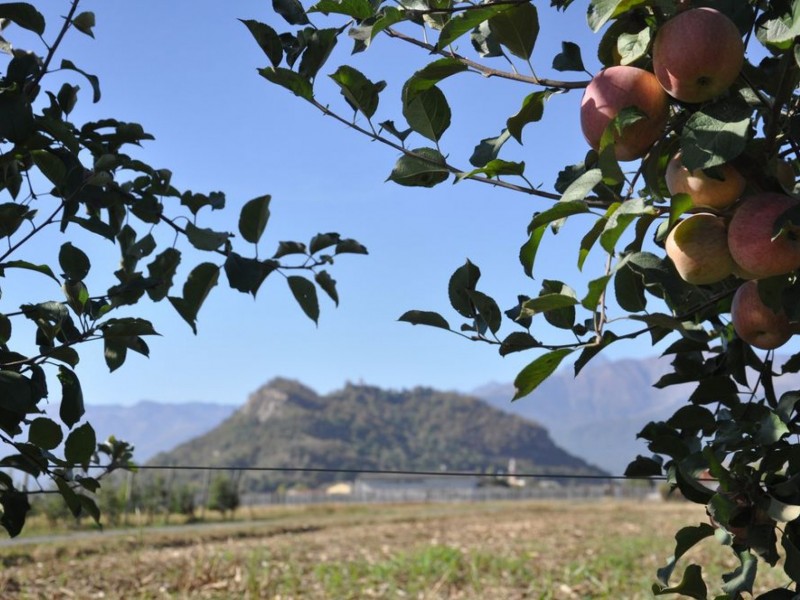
<point x="186" y="70"/>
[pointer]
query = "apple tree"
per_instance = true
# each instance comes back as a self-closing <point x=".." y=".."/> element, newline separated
<point x="68" y="190"/>
<point x="686" y="185"/>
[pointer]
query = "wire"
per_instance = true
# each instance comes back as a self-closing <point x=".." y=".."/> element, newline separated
<point x="389" y="472"/>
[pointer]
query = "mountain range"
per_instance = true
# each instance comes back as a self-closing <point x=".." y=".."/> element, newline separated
<point x="360" y="427"/>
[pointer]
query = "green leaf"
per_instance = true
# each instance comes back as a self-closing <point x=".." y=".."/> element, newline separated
<point x="205" y="239"/>
<point x="488" y="312"/>
<point x="495" y="168"/>
<point x="291" y="10"/>
<point x="267" y="39"/>
<point x="465" y="22"/>
<point x="15" y="508"/>
<point x="686" y="538"/>
<point x="11" y="218"/>
<point x="531" y="111"/>
<point x="601" y="11"/>
<point x="162" y="271"/>
<point x="328" y="285"/>
<point x="24" y="15"/>
<point x="84" y="23"/>
<point x="72" y="408"/>
<point x="319" y="46"/>
<point x="286" y="248"/>
<point x="580" y="188"/>
<point x="424" y="167"/>
<point x="93" y="80"/>
<point x="536" y="372"/>
<point x="716" y="134"/>
<point x="593" y="349"/>
<point x="306" y="295"/>
<point x="559" y="210"/>
<point x="528" y="251"/>
<point x="390" y="127"/>
<point x="425" y="317"/>
<point x="80" y="445"/>
<point x="779" y="31"/>
<point x="488" y="149"/>
<point x="350" y="246"/>
<point x="629" y="289"/>
<point x="359" y="92"/>
<point x="791" y="565"/>
<point x="679" y="204"/>
<point x="771" y="429"/>
<point x="643" y="467"/>
<point x="742" y="579"/>
<point x="517" y="29"/>
<point x="45" y="433"/>
<point x="196" y="289"/>
<point x="547" y="302"/>
<point x="51" y="166"/>
<point x="620" y="219"/>
<point x="247" y="274"/>
<point x="358" y="9"/>
<point x="431" y="74"/>
<point x="294" y="82"/>
<point x="691" y="585"/>
<point x="633" y="46"/>
<point x="253" y="218"/>
<point x="463" y="280"/>
<point x="597" y="288"/>
<point x="427" y="112"/>
<point x="569" y="59"/>
<point x="73" y="262"/>
<point x="518" y="341"/>
<point x="21" y="264"/>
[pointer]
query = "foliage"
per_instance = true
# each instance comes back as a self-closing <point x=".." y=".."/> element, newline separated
<point x="68" y="188"/>
<point x="733" y="426"/>
<point x="223" y="495"/>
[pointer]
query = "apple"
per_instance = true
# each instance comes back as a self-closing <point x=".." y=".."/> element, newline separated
<point x="750" y="236"/>
<point x="697" y="54"/>
<point x="614" y="89"/>
<point x="755" y="322"/>
<point x="698" y="247"/>
<point x="705" y="191"/>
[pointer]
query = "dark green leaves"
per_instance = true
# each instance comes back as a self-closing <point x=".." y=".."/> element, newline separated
<point x="536" y="372"/>
<point x="463" y="280"/>
<point x="80" y="445"/>
<point x="427" y="112"/>
<point x="517" y="29"/>
<point x="306" y="295"/>
<point x="15" y="508"/>
<point x="253" y="218"/>
<point x="45" y="433"/>
<point x="291" y="10"/>
<point x="532" y="110"/>
<point x="425" y="317"/>
<point x="24" y="15"/>
<point x="465" y="22"/>
<point x="74" y="262"/>
<point x="569" y="59"/>
<point x="716" y="134"/>
<point x="72" y="407"/>
<point x="92" y="79"/>
<point x="84" y="22"/>
<point x="294" y="82"/>
<point x="197" y="287"/>
<point x="247" y="274"/>
<point x="422" y="167"/>
<point x="359" y="92"/>
<point x="267" y="39"/>
<point x="358" y="9"/>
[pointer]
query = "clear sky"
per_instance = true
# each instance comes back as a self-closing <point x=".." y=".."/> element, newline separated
<point x="186" y="70"/>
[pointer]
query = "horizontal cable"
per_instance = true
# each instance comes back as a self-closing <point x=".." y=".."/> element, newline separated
<point x="388" y="472"/>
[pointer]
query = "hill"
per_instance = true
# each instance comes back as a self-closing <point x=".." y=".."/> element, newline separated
<point x="361" y="427"/>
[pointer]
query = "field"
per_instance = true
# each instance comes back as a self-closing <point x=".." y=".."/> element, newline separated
<point x="542" y="550"/>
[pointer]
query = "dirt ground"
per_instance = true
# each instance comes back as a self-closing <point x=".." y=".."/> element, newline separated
<point x="494" y="550"/>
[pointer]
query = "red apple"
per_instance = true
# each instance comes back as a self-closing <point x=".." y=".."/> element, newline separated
<point x="614" y="89"/>
<point x="698" y="54"/>
<point x="698" y="247"/>
<point x="755" y="322"/>
<point x="750" y="236"/>
<point x="705" y="191"/>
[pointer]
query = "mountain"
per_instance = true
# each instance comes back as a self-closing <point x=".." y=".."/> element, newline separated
<point x="154" y="427"/>
<point x="362" y="427"/>
<point x="597" y="414"/>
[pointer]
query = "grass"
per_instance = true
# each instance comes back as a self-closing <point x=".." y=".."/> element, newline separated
<point x="539" y="550"/>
